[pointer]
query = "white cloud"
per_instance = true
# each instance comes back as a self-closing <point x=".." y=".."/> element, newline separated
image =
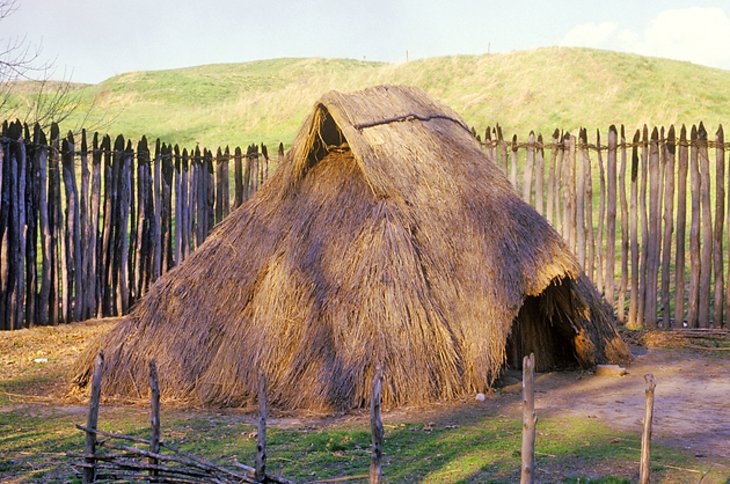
<point x="696" y="34"/>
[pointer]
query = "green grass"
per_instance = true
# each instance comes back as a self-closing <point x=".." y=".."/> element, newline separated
<point x="463" y="445"/>
<point x="539" y="90"/>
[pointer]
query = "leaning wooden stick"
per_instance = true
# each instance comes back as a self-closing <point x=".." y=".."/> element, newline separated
<point x="645" y="468"/>
<point x="93" y="418"/>
<point x="529" y="419"/>
<point x="376" y="427"/>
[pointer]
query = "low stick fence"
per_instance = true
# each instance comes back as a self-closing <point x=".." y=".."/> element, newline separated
<point x="623" y="208"/>
<point x="86" y="228"/>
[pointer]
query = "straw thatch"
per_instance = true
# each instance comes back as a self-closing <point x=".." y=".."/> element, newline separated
<point x="385" y="237"/>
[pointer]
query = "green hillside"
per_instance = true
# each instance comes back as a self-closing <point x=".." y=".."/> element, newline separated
<point x="537" y="90"/>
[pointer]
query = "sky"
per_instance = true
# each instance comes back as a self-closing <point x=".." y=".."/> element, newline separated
<point x="92" y="40"/>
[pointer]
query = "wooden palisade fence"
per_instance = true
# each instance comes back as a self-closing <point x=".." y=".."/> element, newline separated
<point x="631" y="239"/>
<point x="86" y="228"/>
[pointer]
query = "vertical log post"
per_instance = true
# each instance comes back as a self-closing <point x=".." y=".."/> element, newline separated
<point x="679" y="263"/>
<point x="44" y="301"/>
<point x="513" y="162"/>
<point x="528" y="169"/>
<point x="154" y="416"/>
<point x="529" y="420"/>
<point x="632" y="321"/>
<point x="654" y="241"/>
<point x="260" y="474"/>
<point x="624" y="282"/>
<point x="551" y="193"/>
<point x="610" y="260"/>
<point x="601" y="278"/>
<point x="703" y="310"/>
<point x="645" y="466"/>
<point x="644" y="221"/>
<point x="694" y="234"/>
<point x="719" y="224"/>
<point x="539" y="176"/>
<point x="376" y="428"/>
<point x="89" y="474"/>
<point x="669" y="152"/>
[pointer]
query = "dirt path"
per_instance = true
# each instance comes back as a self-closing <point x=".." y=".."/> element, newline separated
<point x="691" y="410"/>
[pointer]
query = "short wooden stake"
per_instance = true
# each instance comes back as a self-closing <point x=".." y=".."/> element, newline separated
<point x="645" y="467"/>
<point x="376" y="427"/>
<point x="154" y="417"/>
<point x="260" y="474"/>
<point x="529" y="419"/>
<point x="93" y="418"/>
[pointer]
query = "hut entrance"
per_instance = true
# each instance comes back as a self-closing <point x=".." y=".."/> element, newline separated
<point x="543" y="326"/>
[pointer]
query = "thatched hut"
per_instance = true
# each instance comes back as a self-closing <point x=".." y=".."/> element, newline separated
<point x="386" y="237"/>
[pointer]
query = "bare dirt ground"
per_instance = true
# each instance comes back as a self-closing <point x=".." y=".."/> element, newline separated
<point x="692" y="406"/>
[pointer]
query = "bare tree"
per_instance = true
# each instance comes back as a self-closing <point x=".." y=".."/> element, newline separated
<point x="26" y="89"/>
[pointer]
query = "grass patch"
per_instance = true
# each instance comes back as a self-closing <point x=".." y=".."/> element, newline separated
<point x="463" y="446"/>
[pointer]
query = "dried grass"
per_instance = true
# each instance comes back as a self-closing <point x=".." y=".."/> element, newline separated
<point x="397" y="244"/>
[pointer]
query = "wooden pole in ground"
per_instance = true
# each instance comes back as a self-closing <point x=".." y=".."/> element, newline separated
<point x="74" y="294"/>
<point x="633" y="229"/>
<point x="44" y="301"/>
<point x="653" y="242"/>
<point x="624" y="281"/>
<point x="551" y="194"/>
<point x="645" y="466"/>
<point x="376" y="428"/>
<point x="237" y="177"/>
<point x="539" y="176"/>
<point x="669" y="152"/>
<point x="154" y="417"/>
<point x="570" y="206"/>
<point x="528" y="170"/>
<point x="529" y="420"/>
<point x="588" y="206"/>
<point x="681" y="230"/>
<point x="644" y="222"/>
<point x="694" y="235"/>
<point x="703" y="311"/>
<point x="601" y="278"/>
<point x="260" y="474"/>
<point x="89" y="474"/>
<point x="719" y="225"/>
<point x="610" y="260"/>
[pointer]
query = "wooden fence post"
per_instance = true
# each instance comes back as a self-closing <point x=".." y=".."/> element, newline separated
<point x="376" y="428"/>
<point x="694" y="235"/>
<point x="74" y="289"/>
<point x="632" y="320"/>
<point x="645" y="466"/>
<point x="654" y="240"/>
<point x="609" y="279"/>
<point x="154" y="417"/>
<point x="539" y="176"/>
<point x="679" y="263"/>
<point x="669" y="152"/>
<point x="703" y="312"/>
<point x="260" y="474"/>
<point x="624" y="281"/>
<point x="89" y="474"/>
<point x="601" y="278"/>
<point x="644" y="222"/>
<point x="719" y="225"/>
<point x="528" y="169"/>
<point x="529" y="420"/>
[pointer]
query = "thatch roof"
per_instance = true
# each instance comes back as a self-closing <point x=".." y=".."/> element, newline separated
<point x="386" y="237"/>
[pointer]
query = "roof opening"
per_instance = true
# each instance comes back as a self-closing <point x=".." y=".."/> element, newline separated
<point x="327" y="138"/>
